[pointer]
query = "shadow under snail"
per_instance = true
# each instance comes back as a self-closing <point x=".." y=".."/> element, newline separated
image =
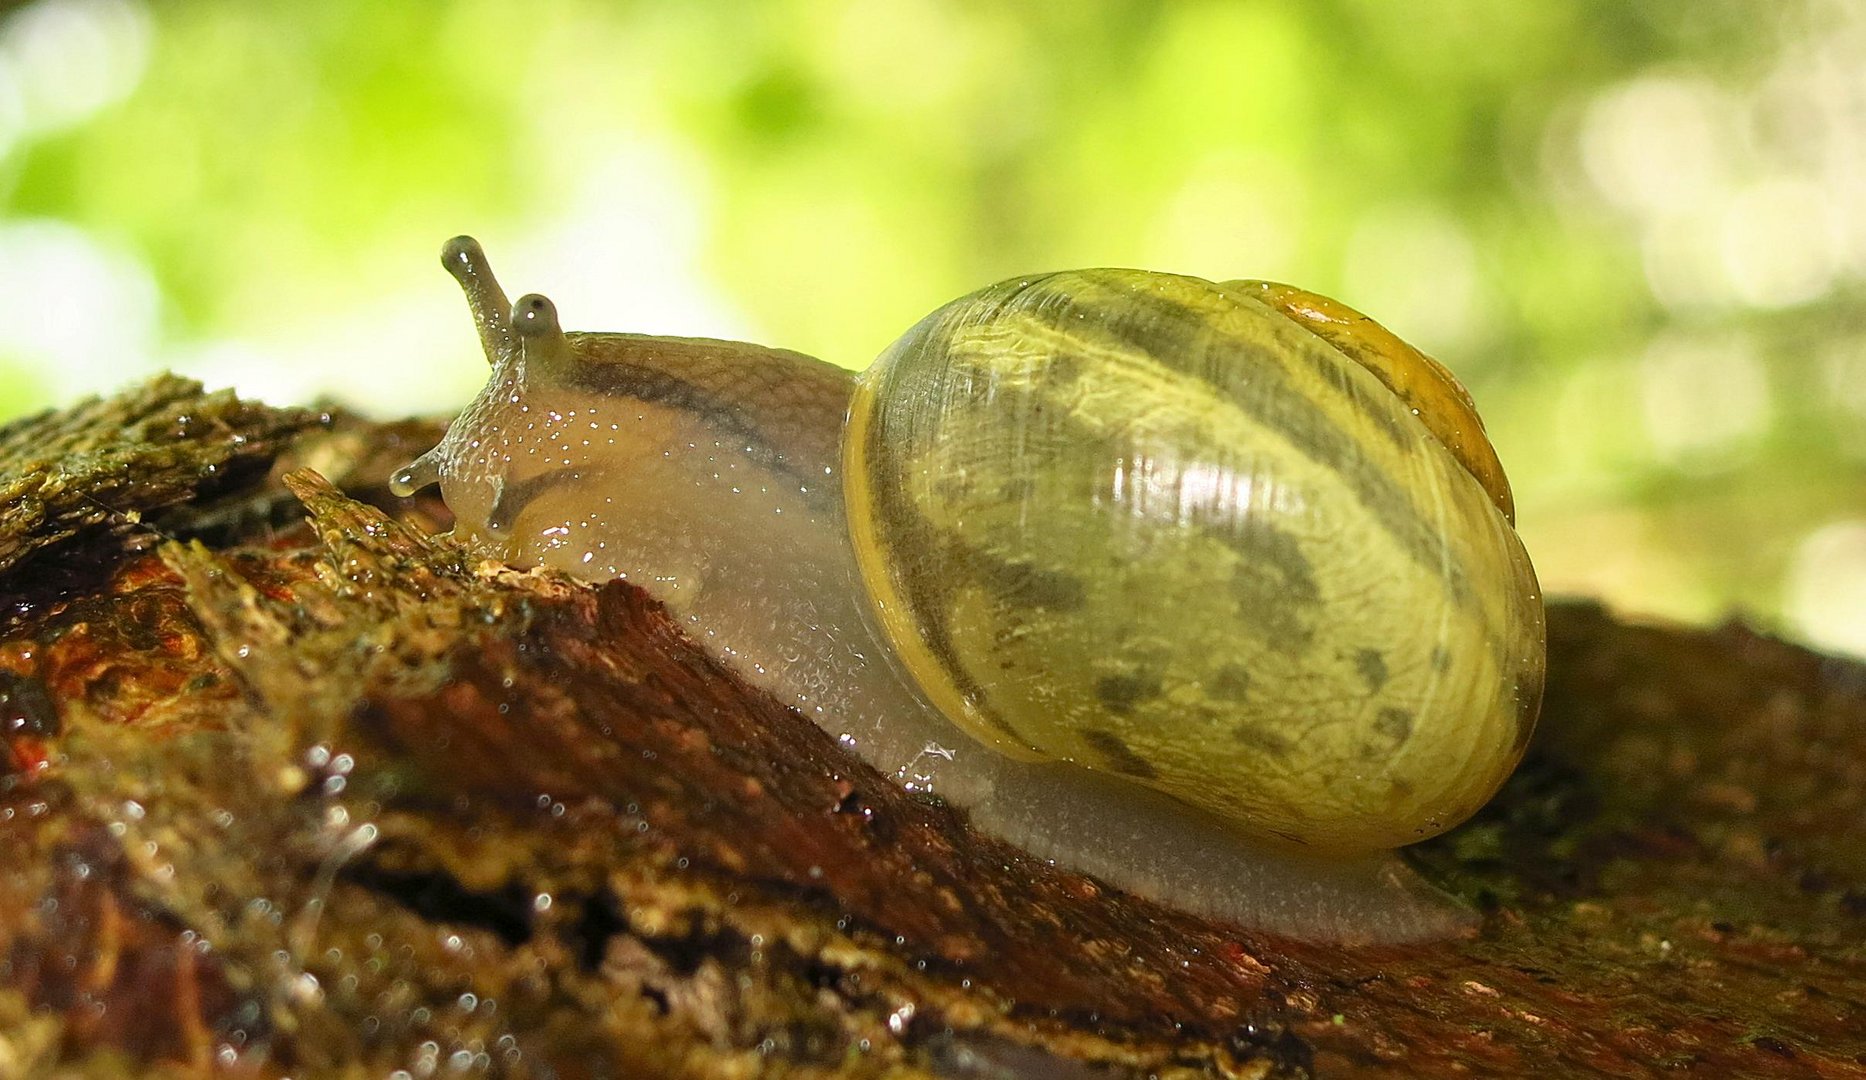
<point x="1209" y="590"/>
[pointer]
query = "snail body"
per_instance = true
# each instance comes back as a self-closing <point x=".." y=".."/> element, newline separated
<point x="1143" y="571"/>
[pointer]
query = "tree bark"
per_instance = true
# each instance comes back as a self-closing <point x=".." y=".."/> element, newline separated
<point x="290" y="786"/>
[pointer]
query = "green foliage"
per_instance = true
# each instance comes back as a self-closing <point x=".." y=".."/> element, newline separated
<point x="1582" y="207"/>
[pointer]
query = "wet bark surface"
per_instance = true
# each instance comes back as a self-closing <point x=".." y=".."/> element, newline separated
<point x="289" y="785"/>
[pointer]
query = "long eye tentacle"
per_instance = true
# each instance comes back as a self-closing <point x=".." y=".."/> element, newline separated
<point x="466" y="261"/>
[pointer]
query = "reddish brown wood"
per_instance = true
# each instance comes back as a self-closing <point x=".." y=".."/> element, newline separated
<point x="288" y="799"/>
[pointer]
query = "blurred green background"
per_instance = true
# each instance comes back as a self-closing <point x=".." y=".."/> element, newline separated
<point x="1637" y="230"/>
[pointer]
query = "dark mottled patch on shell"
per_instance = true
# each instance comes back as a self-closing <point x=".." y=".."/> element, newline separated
<point x="1394" y="724"/>
<point x="1371" y="665"/>
<point x="1274" y="585"/>
<point x="1441" y="659"/>
<point x="1120" y="693"/>
<point x="1264" y="545"/>
<point x="1022" y="584"/>
<point x="1266" y="742"/>
<point x="1231" y="683"/>
<point x="1117" y="755"/>
<point x="1063" y="369"/>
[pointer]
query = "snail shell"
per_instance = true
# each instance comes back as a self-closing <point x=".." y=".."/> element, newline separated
<point x="1159" y="578"/>
<point x="1150" y="525"/>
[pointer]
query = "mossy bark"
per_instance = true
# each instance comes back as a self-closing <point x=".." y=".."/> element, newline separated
<point x="290" y="786"/>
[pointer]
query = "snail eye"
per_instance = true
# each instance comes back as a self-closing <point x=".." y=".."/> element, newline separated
<point x="462" y="256"/>
<point x="534" y="316"/>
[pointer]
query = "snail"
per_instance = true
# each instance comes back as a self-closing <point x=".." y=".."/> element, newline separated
<point x="1210" y="590"/>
